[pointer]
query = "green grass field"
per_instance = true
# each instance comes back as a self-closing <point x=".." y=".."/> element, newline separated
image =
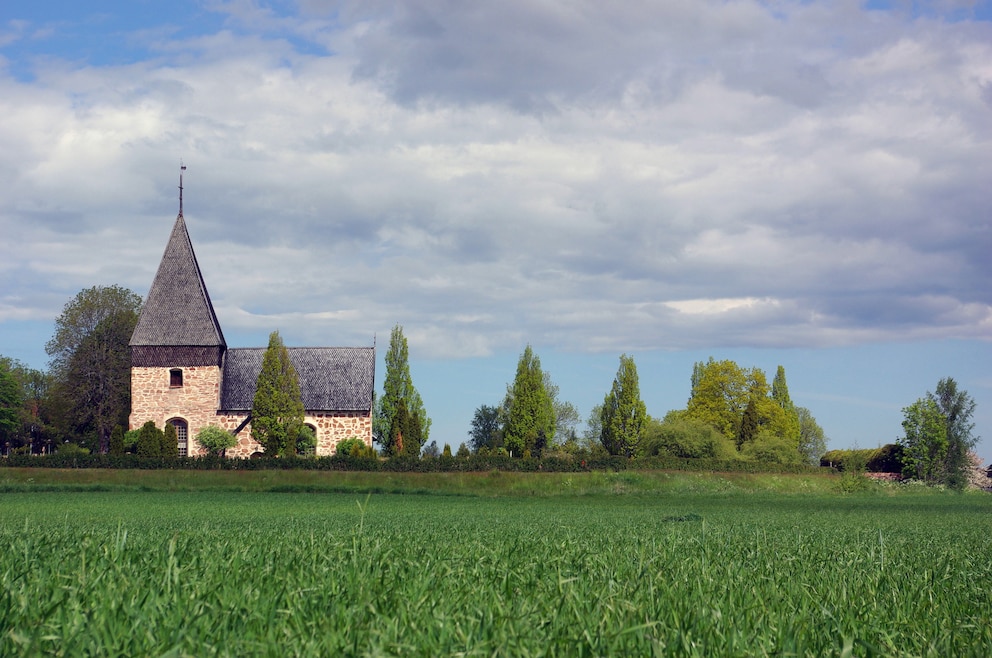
<point x="638" y="569"/>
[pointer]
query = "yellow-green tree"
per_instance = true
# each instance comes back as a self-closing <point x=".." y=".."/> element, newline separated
<point x="624" y="413"/>
<point x="530" y="415"/>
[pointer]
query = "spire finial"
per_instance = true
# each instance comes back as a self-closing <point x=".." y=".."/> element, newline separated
<point x="182" y="168"/>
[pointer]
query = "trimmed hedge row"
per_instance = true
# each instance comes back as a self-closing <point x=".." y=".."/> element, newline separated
<point x="474" y="463"/>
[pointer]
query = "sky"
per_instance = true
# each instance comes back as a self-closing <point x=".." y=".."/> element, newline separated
<point x="804" y="184"/>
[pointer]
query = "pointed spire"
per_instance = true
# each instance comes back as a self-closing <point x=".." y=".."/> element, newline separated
<point x="178" y="311"/>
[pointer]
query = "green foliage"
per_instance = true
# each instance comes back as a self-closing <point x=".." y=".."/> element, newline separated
<point x="356" y="448"/>
<point x="277" y="409"/>
<point x="768" y="448"/>
<point x="170" y="441"/>
<point x="721" y="391"/>
<point x="306" y="442"/>
<point x="624" y="413"/>
<point x="150" y="440"/>
<point x="446" y="452"/>
<point x="812" y="441"/>
<point x="957" y="408"/>
<point x="398" y="387"/>
<point x="486" y="431"/>
<point x="215" y="440"/>
<point x="748" y="429"/>
<point x="925" y="441"/>
<point x="117" y="441"/>
<point x="72" y="450"/>
<point x="405" y="437"/>
<point x="91" y="361"/>
<point x="131" y="440"/>
<point x="10" y="406"/>
<point x="685" y="438"/>
<point x="463" y="452"/>
<point x="530" y="417"/>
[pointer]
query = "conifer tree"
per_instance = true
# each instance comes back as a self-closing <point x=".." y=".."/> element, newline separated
<point x="749" y="424"/>
<point x="117" y="441"/>
<point x="624" y="413"/>
<point x="397" y="386"/>
<point x="530" y="416"/>
<point x="149" y="440"/>
<point x="170" y="441"/>
<point x="277" y="410"/>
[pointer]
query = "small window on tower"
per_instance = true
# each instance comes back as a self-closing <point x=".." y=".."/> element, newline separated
<point x="175" y="378"/>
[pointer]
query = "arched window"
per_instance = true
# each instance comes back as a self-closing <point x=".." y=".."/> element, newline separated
<point x="176" y="378"/>
<point x="306" y="444"/>
<point x="182" y="435"/>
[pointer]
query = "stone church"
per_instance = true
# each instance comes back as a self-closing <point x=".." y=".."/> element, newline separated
<point x="183" y="373"/>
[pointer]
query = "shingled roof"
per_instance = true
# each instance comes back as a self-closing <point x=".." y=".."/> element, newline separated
<point x="331" y="378"/>
<point x="178" y="311"/>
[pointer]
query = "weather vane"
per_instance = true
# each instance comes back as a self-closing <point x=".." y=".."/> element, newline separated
<point x="182" y="168"/>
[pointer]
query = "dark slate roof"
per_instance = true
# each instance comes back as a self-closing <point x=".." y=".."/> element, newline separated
<point x="331" y="378"/>
<point x="178" y="309"/>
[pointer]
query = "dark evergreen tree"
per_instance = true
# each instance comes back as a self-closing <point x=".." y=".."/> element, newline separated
<point x="150" y="440"/>
<point x="117" y="441"/>
<point x="749" y="424"/>
<point x="277" y="410"/>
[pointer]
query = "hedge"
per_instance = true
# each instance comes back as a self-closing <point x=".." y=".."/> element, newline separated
<point x="473" y="463"/>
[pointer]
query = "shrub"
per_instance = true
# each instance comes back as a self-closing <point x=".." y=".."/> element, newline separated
<point x="215" y="440"/>
<point x="768" y="448"/>
<point x="72" y="450"/>
<point x="685" y="438"/>
<point x="355" y="447"/>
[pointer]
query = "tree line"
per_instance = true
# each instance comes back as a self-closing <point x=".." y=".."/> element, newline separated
<point x="82" y="402"/>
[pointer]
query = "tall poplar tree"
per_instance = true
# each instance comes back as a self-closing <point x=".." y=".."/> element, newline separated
<point x="957" y="408"/>
<point x="780" y="394"/>
<point x="530" y="415"/>
<point x="624" y="413"/>
<point x="277" y="410"/>
<point x="398" y="386"/>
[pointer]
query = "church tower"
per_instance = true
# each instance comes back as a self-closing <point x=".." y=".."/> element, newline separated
<point x="177" y="348"/>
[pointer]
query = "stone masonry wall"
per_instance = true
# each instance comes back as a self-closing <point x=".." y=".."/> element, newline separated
<point x="331" y="429"/>
<point x="195" y="401"/>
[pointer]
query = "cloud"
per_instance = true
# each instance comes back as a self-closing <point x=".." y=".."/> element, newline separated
<point x="571" y="174"/>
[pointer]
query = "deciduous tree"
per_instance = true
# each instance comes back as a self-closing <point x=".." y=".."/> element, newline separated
<point x="485" y="431"/>
<point x="530" y="419"/>
<point x="957" y="407"/>
<point x="397" y="386"/>
<point x="812" y="441"/>
<point x="215" y="440"/>
<point x="91" y="361"/>
<point x="624" y="413"/>
<point x="924" y="441"/>
<point x="277" y="409"/>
